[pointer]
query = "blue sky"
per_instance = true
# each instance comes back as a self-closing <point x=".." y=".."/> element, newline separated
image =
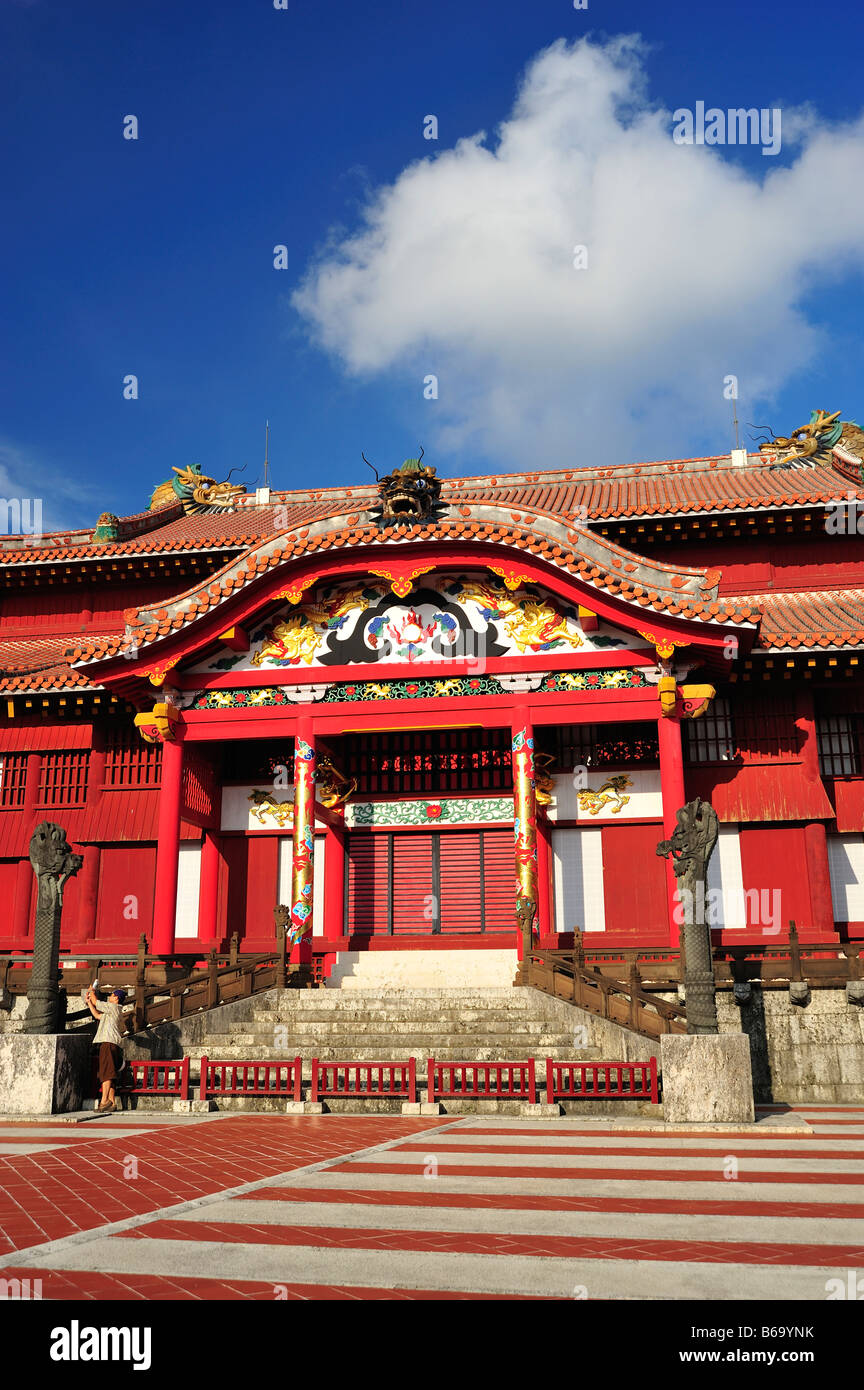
<point x="260" y="127"/>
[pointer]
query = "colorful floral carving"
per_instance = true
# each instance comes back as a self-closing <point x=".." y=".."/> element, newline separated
<point x="357" y="692"/>
<point x="459" y="811"/>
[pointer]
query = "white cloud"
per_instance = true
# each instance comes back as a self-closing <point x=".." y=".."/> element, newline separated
<point x="463" y="267"/>
<point x="35" y="488"/>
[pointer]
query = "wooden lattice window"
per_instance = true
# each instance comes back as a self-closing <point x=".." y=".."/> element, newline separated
<point x="447" y="760"/>
<point x="130" y="762"/>
<point x="711" y="737"/>
<point x="13" y="778"/>
<point x="840" y="732"/>
<point x="599" y="745"/>
<point x="840" y="738"/>
<point x="63" y="778"/>
<point x="199" y="785"/>
<point x="765" y="729"/>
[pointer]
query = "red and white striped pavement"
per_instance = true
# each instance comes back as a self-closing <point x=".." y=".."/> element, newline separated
<point x="274" y="1207"/>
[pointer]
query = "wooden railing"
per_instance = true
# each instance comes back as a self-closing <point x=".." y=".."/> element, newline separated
<point x="565" y="975"/>
<point x="822" y="966"/>
<point x="166" y="990"/>
<point x="217" y="984"/>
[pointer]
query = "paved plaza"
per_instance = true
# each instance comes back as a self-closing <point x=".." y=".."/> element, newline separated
<point x="158" y="1206"/>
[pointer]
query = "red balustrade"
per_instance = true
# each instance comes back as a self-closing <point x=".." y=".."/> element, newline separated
<point x="482" y="1081"/>
<point x="158" y="1079"/>
<point x="279" y="1079"/>
<point x="602" y="1081"/>
<point x="367" y="1080"/>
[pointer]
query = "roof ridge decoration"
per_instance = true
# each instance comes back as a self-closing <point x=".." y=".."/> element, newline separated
<point x="677" y="591"/>
<point x="197" y="492"/>
<point x="408" y="495"/>
<point x="804" y="446"/>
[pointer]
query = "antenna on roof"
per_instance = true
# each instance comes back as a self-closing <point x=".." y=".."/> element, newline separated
<point x="267" y="453"/>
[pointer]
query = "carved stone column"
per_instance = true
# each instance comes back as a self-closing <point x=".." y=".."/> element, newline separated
<point x="53" y="863"/>
<point x="691" y="846"/>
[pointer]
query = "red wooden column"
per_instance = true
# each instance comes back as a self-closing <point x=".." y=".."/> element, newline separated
<point x="334" y="882"/>
<point x="303" y="861"/>
<point x="88" y="879"/>
<point x="167" y="849"/>
<point x="672" y="785"/>
<point x="524" y="824"/>
<point x="208" y="892"/>
<point x="24" y="877"/>
<point x="815" y="837"/>
<point x="88" y="892"/>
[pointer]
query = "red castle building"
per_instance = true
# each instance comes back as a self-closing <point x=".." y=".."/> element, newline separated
<point x="345" y="699"/>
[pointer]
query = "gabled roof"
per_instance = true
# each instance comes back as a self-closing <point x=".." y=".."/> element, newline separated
<point x="649" y="586"/>
<point x="674" y="487"/>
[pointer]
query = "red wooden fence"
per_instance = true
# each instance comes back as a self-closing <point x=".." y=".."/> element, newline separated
<point x="392" y="1080"/>
<point x="280" y="1079"/>
<point x="158" y="1079"/>
<point x="482" y="1081"/>
<point x="602" y="1080"/>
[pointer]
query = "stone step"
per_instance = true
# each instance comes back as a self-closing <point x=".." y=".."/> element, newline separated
<point x="405" y="998"/>
<point x="420" y="1044"/>
<point x="358" y="1027"/>
<point x="384" y="1053"/>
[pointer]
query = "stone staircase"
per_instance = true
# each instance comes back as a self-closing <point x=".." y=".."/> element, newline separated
<point x="369" y="1025"/>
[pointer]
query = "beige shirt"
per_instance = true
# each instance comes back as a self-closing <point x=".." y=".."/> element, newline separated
<point x="110" y="1028"/>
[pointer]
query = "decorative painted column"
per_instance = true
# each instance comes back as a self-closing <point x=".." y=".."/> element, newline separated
<point x="334" y="882"/>
<point x="525" y="832"/>
<point x="303" y="862"/>
<point x="672" y="785"/>
<point x="24" y="873"/>
<point x="167" y="849"/>
<point x="815" y="837"/>
<point x="208" y="891"/>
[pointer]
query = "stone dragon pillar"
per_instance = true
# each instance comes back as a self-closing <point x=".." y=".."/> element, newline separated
<point x="690" y="847"/>
<point x="53" y="864"/>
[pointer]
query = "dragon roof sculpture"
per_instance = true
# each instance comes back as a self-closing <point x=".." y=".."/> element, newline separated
<point x="197" y="492"/>
<point x="408" y="495"/>
<point x="808" y="444"/>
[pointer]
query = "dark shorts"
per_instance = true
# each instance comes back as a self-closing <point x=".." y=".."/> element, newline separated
<point x="110" y="1061"/>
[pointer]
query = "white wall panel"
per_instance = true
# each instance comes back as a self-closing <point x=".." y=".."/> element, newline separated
<point x="726" y="881"/>
<point x="578" y="864"/>
<point x="188" y="885"/>
<point x="846" y="865"/>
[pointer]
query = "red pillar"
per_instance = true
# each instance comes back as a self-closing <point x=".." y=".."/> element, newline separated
<point x="334" y="882"/>
<point x="208" y="892"/>
<point x="88" y="892"/>
<point x="672" y="784"/>
<point x="815" y="837"/>
<point x="167" y="849"/>
<point x="24" y="877"/>
<point x="819" y="879"/>
<point x="21" y="910"/>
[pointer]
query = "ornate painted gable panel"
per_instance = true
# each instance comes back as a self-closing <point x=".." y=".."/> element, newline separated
<point x="446" y="617"/>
